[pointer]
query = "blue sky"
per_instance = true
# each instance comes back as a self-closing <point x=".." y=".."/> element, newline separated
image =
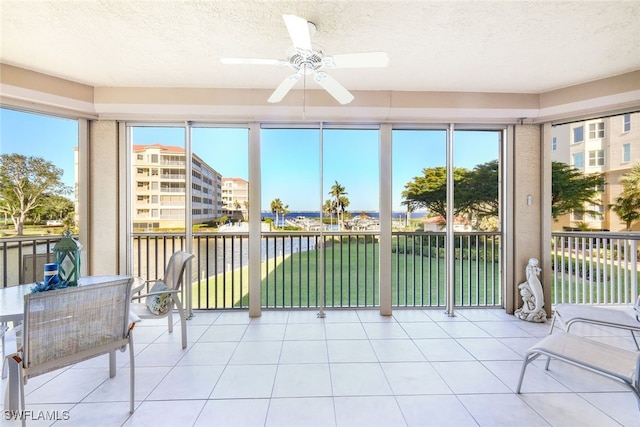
<point x="290" y="159"/>
<point x="42" y="136"/>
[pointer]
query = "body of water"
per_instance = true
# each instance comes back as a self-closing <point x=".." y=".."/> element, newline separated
<point x="316" y="214"/>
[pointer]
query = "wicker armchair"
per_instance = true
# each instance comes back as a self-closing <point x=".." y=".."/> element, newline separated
<point x="66" y="326"/>
<point x="164" y="294"/>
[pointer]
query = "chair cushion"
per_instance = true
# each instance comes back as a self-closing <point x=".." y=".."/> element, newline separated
<point x="159" y="304"/>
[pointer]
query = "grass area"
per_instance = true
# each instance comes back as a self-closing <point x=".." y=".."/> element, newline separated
<point x="591" y="281"/>
<point x="351" y="278"/>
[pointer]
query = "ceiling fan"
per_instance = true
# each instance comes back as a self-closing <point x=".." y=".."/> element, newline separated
<point x="306" y="59"/>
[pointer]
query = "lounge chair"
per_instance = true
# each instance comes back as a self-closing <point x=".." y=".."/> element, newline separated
<point x="612" y="362"/>
<point x="623" y="318"/>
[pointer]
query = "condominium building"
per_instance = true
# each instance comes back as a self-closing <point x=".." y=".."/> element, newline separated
<point x="159" y="188"/>
<point x="608" y="145"/>
<point x="235" y="198"/>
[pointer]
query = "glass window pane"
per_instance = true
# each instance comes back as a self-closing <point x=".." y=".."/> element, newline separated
<point x="419" y="179"/>
<point x="477" y="192"/>
<point x="48" y="146"/>
<point x="159" y="149"/>
<point x="351" y="178"/>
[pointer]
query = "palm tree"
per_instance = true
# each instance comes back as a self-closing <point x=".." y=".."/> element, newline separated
<point x="343" y="203"/>
<point x="276" y="207"/>
<point x="327" y="209"/>
<point x="631" y="181"/>
<point x="336" y="192"/>
<point x="627" y="204"/>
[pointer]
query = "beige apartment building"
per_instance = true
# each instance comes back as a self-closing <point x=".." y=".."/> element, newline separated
<point x="608" y="145"/>
<point x="159" y="188"/>
<point x="235" y="198"/>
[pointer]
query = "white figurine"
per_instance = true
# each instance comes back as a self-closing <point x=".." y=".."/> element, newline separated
<point x="532" y="296"/>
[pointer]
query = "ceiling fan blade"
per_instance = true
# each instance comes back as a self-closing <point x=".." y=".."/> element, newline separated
<point x="335" y="89"/>
<point x="298" y="29"/>
<point x="284" y="88"/>
<point x="358" y="60"/>
<point x="252" y="61"/>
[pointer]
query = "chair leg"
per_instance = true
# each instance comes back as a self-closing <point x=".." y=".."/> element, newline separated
<point x="183" y="324"/>
<point x="15" y="389"/>
<point x="528" y="359"/>
<point x="170" y="320"/>
<point x="112" y="364"/>
<point x="132" y="375"/>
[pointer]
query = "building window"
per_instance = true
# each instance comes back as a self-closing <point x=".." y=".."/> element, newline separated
<point x="578" y="160"/>
<point x="578" y="134"/>
<point x="596" y="213"/>
<point x="626" y="123"/>
<point x="554" y="144"/>
<point x="577" y="216"/>
<point x="626" y="153"/>
<point x="596" y="130"/>
<point x="596" y="158"/>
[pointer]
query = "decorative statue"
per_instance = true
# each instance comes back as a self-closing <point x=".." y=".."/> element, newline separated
<point x="532" y="309"/>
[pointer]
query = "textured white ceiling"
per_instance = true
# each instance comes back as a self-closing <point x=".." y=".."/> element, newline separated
<point x="479" y="46"/>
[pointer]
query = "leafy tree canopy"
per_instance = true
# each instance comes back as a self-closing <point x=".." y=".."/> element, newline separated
<point x="23" y="182"/>
<point x="571" y="189"/>
<point x="476" y="192"/>
<point x="627" y="204"/>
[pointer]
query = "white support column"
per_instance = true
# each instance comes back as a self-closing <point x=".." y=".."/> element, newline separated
<point x="188" y="216"/>
<point x="83" y="211"/>
<point x="450" y="242"/>
<point x="255" y="255"/>
<point x="508" y="228"/>
<point x="545" y="215"/>
<point x="385" y="220"/>
<point x="125" y="247"/>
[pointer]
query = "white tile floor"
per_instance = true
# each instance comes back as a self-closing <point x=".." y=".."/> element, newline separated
<point x="353" y="368"/>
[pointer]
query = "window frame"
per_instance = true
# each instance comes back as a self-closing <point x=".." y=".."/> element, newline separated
<point x="574" y="134"/>
<point x="596" y="130"/>
<point x="596" y="158"/>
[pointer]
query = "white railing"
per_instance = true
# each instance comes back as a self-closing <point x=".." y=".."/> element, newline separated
<point x="594" y="268"/>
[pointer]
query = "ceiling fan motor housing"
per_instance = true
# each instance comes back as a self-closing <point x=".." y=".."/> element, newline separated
<point x="306" y="60"/>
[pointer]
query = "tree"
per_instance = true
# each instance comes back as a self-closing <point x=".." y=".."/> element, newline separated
<point x="627" y="204"/>
<point x="343" y="204"/>
<point x="478" y="191"/>
<point x="23" y="182"/>
<point x="430" y="191"/>
<point x="627" y="207"/>
<point x="278" y="207"/>
<point x="327" y="209"/>
<point x="53" y="206"/>
<point x="336" y="192"/>
<point x="571" y="190"/>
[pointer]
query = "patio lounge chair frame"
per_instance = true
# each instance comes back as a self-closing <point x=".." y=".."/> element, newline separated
<point x="568" y="314"/>
<point x="612" y="362"/>
<point x="66" y="326"/>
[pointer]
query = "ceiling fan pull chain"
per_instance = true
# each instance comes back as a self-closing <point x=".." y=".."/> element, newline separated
<point x="304" y="92"/>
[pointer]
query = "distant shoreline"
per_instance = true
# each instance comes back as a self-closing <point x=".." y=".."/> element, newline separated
<point x="316" y="214"/>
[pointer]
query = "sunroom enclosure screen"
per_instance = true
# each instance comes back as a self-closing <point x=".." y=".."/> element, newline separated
<point x="422" y="271"/>
<point x="318" y="209"/>
<point x="320" y="190"/>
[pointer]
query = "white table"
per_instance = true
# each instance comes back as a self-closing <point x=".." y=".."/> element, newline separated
<point x="12" y="310"/>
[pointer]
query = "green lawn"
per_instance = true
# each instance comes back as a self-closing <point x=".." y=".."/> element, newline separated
<point x="351" y="278"/>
